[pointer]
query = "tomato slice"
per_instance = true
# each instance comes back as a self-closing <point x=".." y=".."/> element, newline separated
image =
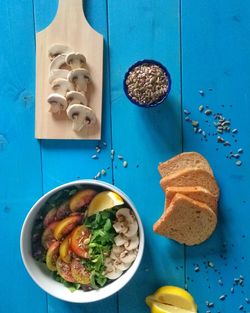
<point x="48" y="235"/>
<point x="79" y="272"/>
<point x="50" y="217"/>
<point x="65" y="252"/>
<point x="65" y="226"/>
<point x="64" y="270"/>
<point x="52" y="256"/>
<point x="63" y="211"/>
<point x="81" y="198"/>
<point x="80" y="241"/>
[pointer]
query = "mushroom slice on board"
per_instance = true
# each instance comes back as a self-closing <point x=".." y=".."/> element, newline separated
<point x="128" y="256"/>
<point x="62" y="86"/>
<point x="57" y="49"/>
<point x="75" y="60"/>
<point x="81" y="116"/>
<point x="58" y="103"/>
<point x="74" y="97"/>
<point x="132" y="243"/>
<point x="58" y="62"/>
<point x="80" y="77"/>
<point x="55" y="74"/>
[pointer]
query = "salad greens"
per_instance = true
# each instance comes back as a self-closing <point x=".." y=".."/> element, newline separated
<point x="100" y="245"/>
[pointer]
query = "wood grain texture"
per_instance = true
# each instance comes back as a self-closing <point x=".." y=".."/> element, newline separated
<point x="20" y="164"/>
<point x="144" y="137"/>
<point x="70" y="28"/>
<point x="216" y="51"/>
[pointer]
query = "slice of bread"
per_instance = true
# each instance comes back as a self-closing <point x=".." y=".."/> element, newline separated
<point x="191" y="177"/>
<point x="196" y="193"/>
<point x="183" y="161"/>
<point x="186" y="221"/>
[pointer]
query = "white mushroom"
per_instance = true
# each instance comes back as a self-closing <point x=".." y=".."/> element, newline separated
<point x="80" y="77"/>
<point x="55" y="74"/>
<point x="132" y="243"/>
<point x="121" y="266"/>
<point x="116" y="252"/>
<point x="57" y="103"/>
<point x="120" y="227"/>
<point x="114" y="274"/>
<point x="57" y="49"/>
<point x="121" y="240"/>
<point x="81" y="116"/>
<point x="74" y="97"/>
<point x="58" y="62"/>
<point x="132" y="229"/>
<point x="75" y="60"/>
<point x="62" y="86"/>
<point x="128" y="256"/>
<point x="124" y="214"/>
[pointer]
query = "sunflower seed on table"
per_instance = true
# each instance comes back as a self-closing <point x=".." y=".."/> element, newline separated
<point x="125" y="164"/>
<point x="195" y="123"/>
<point x="94" y="157"/>
<point x="201" y="92"/>
<point x="120" y="157"/>
<point x="186" y="112"/>
<point x="238" y="163"/>
<point x="201" y="108"/>
<point x="235" y="130"/>
<point x="222" y="297"/>
<point x="103" y="172"/>
<point x="208" y="112"/>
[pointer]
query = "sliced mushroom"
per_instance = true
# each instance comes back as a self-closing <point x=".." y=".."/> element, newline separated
<point x="75" y="60"/>
<point x="80" y="77"/>
<point x="62" y="86"/>
<point x="81" y="116"/>
<point x="128" y="256"/>
<point x="132" y="229"/>
<point x="124" y="213"/>
<point x="114" y="274"/>
<point x="57" y="102"/>
<point x="55" y="74"/>
<point x="57" y="49"/>
<point x="132" y="243"/>
<point x="74" y="97"/>
<point x="58" y="62"/>
<point x="116" y="252"/>
<point x="121" y="240"/>
<point x="120" y="227"/>
<point x="121" y="266"/>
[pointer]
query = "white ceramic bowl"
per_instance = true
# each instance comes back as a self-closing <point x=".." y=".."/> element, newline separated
<point x="42" y="276"/>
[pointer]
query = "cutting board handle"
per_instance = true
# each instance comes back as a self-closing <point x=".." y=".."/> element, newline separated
<point x="70" y="11"/>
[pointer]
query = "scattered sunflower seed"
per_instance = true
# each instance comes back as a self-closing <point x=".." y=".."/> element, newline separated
<point x="112" y="152"/>
<point x="197" y="269"/>
<point x="195" y="129"/>
<point x="201" y="92"/>
<point x="195" y="123"/>
<point x="125" y="164"/>
<point x="103" y="172"/>
<point x="232" y="290"/>
<point x="186" y="112"/>
<point x="199" y="130"/>
<point x="208" y="112"/>
<point x="220" y="282"/>
<point x="241" y="307"/>
<point x="210" y="264"/>
<point x="220" y="139"/>
<point x="188" y="119"/>
<point x="222" y="297"/>
<point x="94" y="157"/>
<point x="247" y="300"/>
<point x="204" y="134"/>
<point x="226" y="143"/>
<point x="120" y="157"/>
<point x="104" y="143"/>
<point x="201" y="108"/>
<point x="240" y="150"/>
<point x="98" y="175"/>
<point x="238" y="163"/>
<point x="210" y="305"/>
<point x="235" y="130"/>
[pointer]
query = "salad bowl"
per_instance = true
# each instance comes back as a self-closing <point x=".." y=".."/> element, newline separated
<point x="45" y="279"/>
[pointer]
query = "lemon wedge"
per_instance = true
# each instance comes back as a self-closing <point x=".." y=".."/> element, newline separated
<point x="173" y="296"/>
<point x="164" y="308"/>
<point x="104" y="200"/>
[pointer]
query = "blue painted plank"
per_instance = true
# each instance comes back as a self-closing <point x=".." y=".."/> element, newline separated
<point x="20" y="170"/>
<point x="215" y="49"/>
<point x="144" y="137"/>
<point x="64" y="161"/>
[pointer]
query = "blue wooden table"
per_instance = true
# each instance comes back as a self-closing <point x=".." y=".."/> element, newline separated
<point x="206" y="47"/>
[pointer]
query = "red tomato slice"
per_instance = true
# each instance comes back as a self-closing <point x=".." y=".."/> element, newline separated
<point x="50" y="217"/>
<point x="52" y="256"/>
<point x="48" y="235"/>
<point x="64" y="270"/>
<point x="80" y="240"/>
<point x="80" y="273"/>
<point x="66" y="225"/>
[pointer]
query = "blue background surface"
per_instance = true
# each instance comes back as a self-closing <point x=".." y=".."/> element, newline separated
<point x="205" y="46"/>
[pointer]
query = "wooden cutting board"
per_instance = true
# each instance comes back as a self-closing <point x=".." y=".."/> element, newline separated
<point x="69" y="28"/>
